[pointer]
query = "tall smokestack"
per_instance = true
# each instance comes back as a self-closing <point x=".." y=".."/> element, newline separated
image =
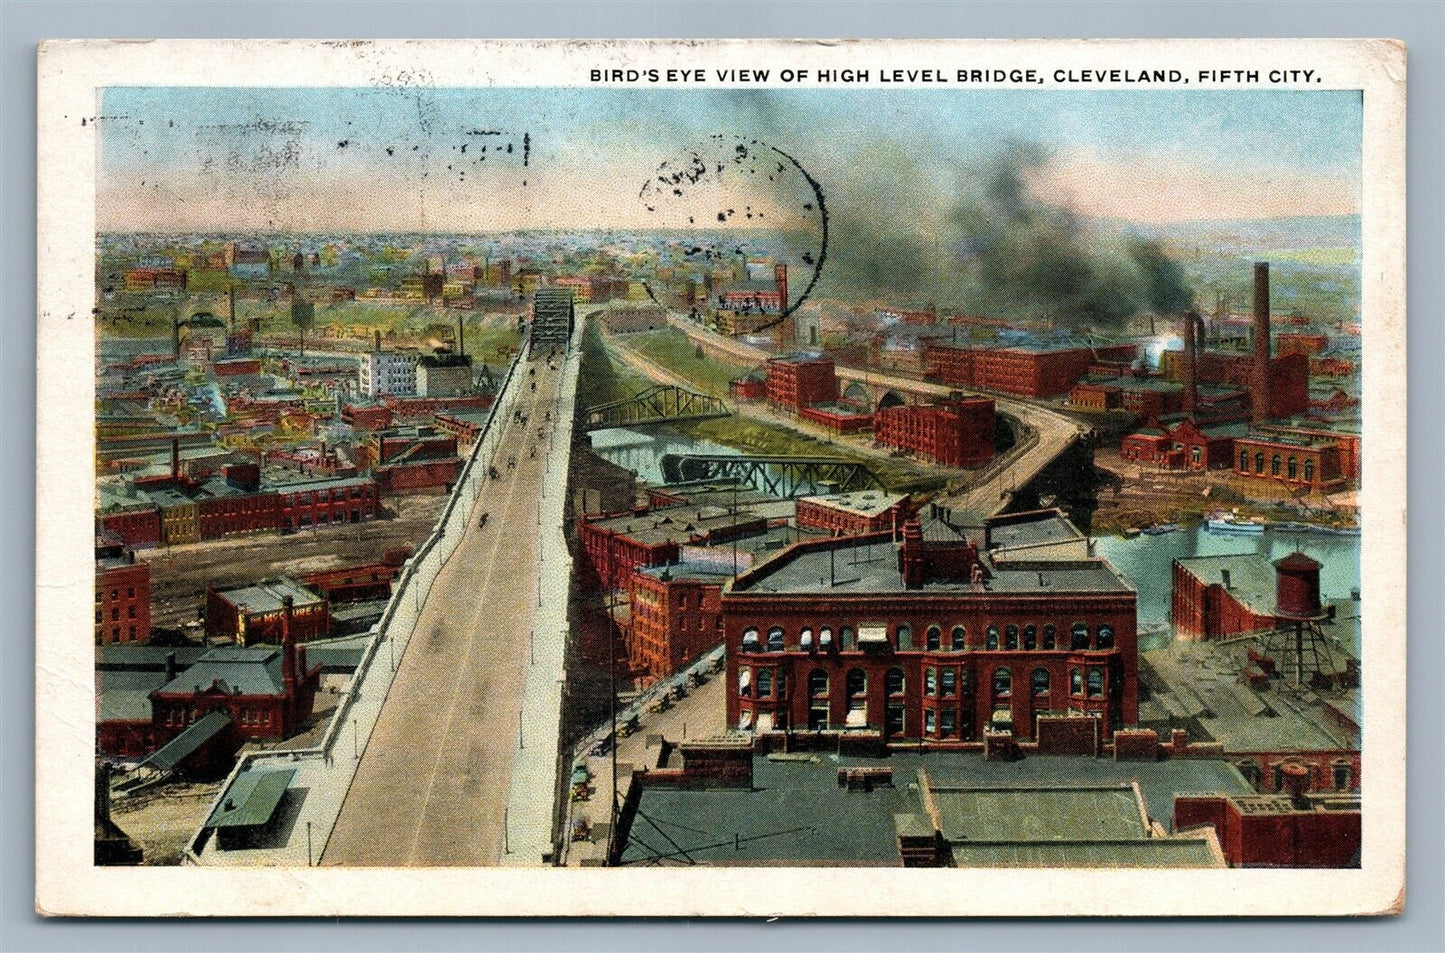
<point x="288" y="652"/>
<point x="231" y="308"/>
<point x="1263" y="404"/>
<point x="461" y="336"/>
<point x="377" y="342"/>
<point x="1190" y="360"/>
<point x="176" y="459"/>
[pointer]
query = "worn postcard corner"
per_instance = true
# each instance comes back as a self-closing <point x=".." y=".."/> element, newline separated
<point x="738" y="478"/>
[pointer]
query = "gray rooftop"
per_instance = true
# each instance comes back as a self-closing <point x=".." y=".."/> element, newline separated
<point x="850" y="566"/>
<point x="861" y="502"/>
<point x="797" y="813"/>
<point x="1010" y="531"/>
<point x="266" y="596"/>
<point x="242" y="671"/>
<point x="1251" y="577"/>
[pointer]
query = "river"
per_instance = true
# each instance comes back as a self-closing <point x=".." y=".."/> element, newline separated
<point x="642" y="450"/>
<point x="1147" y="561"/>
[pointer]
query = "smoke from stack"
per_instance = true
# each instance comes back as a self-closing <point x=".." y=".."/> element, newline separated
<point x="1263" y="404"/>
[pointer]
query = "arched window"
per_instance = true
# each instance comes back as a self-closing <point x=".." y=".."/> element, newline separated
<point x="1040" y="681"/>
<point x="990" y="638"/>
<point x="825" y="639"/>
<point x="750" y="640"/>
<point x="1249" y="770"/>
<point x="1096" y="683"/>
<point x="1011" y="637"/>
<point x="846" y="634"/>
<point x="1342" y="774"/>
<point x="857" y="682"/>
<point x="1079" y="636"/>
<point x="1309" y="471"/>
<point x="1049" y="640"/>
<point x="745" y="682"/>
<point x="1259" y="461"/>
<point x="1244" y="460"/>
<point x="905" y="637"/>
<point x="775" y="639"/>
<point x="930" y="682"/>
<point x="1076" y="682"/>
<point x="1031" y="637"/>
<point x="1105" y="637"/>
<point x="965" y="681"/>
<point x="818" y="683"/>
<point x="948" y="683"/>
<point x="957" y="638"/>
<point x="765" y="682"/>
<point x="1294" y="468"/>
<point x="893" y="682"/>
<point x="1003" y="683"/>
<point x="1274" y="464"/>
<point x="935" y="638"/>
<point x="805" y="640"/>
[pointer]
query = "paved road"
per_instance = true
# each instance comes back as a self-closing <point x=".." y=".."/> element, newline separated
<point x="432" y="784"/>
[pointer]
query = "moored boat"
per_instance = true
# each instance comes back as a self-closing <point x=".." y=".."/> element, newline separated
<point x="1234" y="524"/>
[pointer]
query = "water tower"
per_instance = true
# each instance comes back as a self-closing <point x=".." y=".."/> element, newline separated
<point x="1296" y="642"/>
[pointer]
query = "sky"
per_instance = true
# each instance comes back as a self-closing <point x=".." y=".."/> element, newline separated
<point x="377" y="159"/>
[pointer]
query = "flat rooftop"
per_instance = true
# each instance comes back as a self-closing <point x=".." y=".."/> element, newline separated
<point x="1251" y="578"/>
<point x="859" y="502"/>
<point x="797" y="813"/>
<point x="1200" y="686"/>
<point x="1007" y="532"/>
<point x="266" y="597"/>
<point x="857" y="567"/>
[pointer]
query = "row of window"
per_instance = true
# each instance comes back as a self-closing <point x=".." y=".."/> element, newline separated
<point x="115" y="614"/>
<point x="115" y="594"/>
<point x="937" y="682"/>
<point x="1275" y="465"/>
<point x="1342" y="774"/>
<point x="1011" y="637"/>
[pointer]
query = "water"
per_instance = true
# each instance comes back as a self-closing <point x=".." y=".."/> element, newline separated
<point x="1147" y="561"/>
<point x="642" y="450"/>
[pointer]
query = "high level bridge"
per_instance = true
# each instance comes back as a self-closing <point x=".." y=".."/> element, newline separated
<point x="655" y="405"/>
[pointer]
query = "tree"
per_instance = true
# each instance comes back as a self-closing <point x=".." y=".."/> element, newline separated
<point x="303" y="318"/>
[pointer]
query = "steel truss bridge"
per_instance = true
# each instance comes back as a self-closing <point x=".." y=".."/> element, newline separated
<point x="786" y="477"/>
<point x="656" y="405"/>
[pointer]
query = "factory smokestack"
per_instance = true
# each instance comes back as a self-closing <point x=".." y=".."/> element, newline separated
<point x="1191" y="362"/>
<point x="175" y="458"/>
<point x="461" y="336"/>
<point x="377" y="342"/>
<point x="1263" y="403"/>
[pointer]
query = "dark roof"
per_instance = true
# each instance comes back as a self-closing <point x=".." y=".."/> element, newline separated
<point x="185" y="744"/>
<point x="242" y="671"/>
<point x="445" y="360"/>
<point x="251" y="799"/>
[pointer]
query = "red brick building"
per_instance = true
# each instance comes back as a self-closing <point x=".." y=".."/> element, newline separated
<point x="1301" y="342"/>
<point x="801" y="381"/>
<point x="1028" y="371"/>
<point x="952" y="433"/>
<point x="613" y="546"/>
<point x="1215" y="597"/>
<point x="1150" y="398"/>
<point x="675" y="616"/>
<point x="748" y="387"/>
<point x="1183" y="445"/>
<point x="1293" y="460"/>
<point x="1293" y="829"/>
<point x="932" y="639"/>
<point x="839" y="418"/>
<point x="360" y="583"/>
<point x="122" y="594"/>
<point x="367" y="416"/>
<point x="1345" y="438"/>
<point x="849" y="514"/>
<point x="258" y="613"/>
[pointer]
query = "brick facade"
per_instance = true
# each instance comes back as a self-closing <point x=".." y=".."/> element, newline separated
<point x="951" y="433"/>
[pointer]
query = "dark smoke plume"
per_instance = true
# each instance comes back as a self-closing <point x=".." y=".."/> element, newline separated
<point x="992" y="246"/>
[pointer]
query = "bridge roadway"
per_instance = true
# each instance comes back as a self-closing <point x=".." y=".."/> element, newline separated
<point x="1053" y="432"/>
<point x="432" y="785"/>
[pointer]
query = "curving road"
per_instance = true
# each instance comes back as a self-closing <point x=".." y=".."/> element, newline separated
<point x="1054" y="432"/>
<point x="432" y="785"/>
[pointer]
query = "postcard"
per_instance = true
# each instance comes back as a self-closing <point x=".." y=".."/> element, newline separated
<point x="726" y="478"/>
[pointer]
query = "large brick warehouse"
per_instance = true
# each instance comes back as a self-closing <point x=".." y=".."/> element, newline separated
<point x="937" y="637"/>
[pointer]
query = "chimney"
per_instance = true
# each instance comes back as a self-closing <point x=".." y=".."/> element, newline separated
<point x="172" y="669"/>
<point x="288" y="649"/>
<point x="1190" y="360"/>
<point x="176" y="459"/>
<point x="1296" y="782"/>
<point x="1261" y="397"/>
<point x="377" y="342"/>
<point x="910" y="555"/>
<point x="780" y="279"/>
<point x="1224" y="577"/>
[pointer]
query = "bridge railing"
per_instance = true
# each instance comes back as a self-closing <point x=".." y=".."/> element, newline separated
<point x="366" y="692"/>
